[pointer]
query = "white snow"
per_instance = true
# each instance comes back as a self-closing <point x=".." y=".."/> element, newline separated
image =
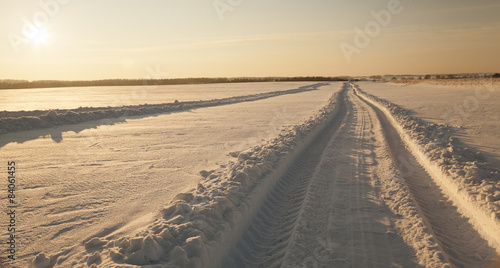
<point x="469" y="182"/>
<point x="358" y="211"/>
<point x="472" y="110"/>
<point x="379" y="185"/>
<point x="198" y="227"/>
<point x="74" y="97"/>
<point x="93" y="179"/>
<point x="12" y="121"/>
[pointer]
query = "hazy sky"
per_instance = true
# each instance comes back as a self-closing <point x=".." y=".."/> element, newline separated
<point x="91" y="39"/>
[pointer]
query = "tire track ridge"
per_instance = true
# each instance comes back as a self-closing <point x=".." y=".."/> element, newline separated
<point x="451" y="230"/>
<point x="350" y="234"/>
<point x="281" y="215"/>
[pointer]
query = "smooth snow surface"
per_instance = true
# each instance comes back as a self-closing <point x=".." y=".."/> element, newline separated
<point x="74" y="97"/>
<point x="14" y="121"/>
<point x="85" y="180"/>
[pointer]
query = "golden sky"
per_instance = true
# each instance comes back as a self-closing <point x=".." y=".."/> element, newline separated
<point x="91" y="39"/>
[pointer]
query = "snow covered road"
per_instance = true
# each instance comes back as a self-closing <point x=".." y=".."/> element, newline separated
<point x="347" y="205"/>
<point x="361" y="201"/>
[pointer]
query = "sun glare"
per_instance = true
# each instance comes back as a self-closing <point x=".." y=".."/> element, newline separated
<point x="40" y="37"/>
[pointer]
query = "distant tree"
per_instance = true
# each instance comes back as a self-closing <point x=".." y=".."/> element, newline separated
<point x="450" y="76"/>
<point x="427" y="76"/>
<point x="497" y="75"/>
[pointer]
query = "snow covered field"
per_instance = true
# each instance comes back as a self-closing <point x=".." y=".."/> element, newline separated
<point x="74" y="97"/>
<point x="84" y="180"/>
<point x="334" y="177"/>
<point x="14" y="121"/>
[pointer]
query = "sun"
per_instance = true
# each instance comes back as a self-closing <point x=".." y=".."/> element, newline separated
<point x="40" y="37"/>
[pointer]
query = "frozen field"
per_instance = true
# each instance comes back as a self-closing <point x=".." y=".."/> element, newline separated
<point x="334" y="177"/>
<point x="74" y="97"/>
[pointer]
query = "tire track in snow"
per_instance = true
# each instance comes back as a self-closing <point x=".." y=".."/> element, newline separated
<point x="461" y="243"/>
<point x="371" y="253"/>
<point x="265" y="241"/>
<point x="327" y="210"/>
<point x="345" y="222"/>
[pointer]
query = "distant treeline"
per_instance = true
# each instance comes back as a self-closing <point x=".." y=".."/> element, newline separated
<point x="18" y="84"/>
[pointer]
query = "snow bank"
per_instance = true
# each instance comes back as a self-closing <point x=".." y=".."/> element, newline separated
<point x="464" y="175"/>
<point x="46" y="119"/>
<point x="197" y="228"/>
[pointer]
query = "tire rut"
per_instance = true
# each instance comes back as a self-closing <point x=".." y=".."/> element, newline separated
<point x="462" y="245"/>
<point x="344" y="221"/>
<point x="264" y="242"/>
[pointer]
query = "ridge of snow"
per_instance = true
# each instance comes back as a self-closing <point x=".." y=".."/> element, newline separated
<point x="472" y="184"/>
